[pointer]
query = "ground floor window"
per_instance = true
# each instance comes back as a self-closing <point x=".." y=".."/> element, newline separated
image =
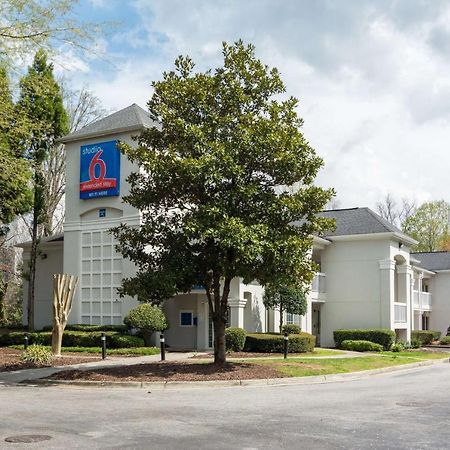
<point x="293" y="319"/>
<point x="425" y="322"/>
<point x="186" y="319"/>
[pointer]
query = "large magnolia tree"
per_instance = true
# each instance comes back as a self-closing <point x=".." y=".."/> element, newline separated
<point x="214" y="189"/>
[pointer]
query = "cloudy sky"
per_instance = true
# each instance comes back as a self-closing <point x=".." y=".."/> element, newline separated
<point x="373" y="77"/>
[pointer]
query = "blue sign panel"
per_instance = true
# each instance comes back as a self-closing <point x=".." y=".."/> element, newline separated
<point x="99" y="170"/>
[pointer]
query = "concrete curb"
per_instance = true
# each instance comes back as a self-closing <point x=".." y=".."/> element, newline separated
<point x="164" y="385"/>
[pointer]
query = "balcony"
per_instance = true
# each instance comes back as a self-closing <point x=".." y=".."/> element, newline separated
<point x="400" y="315"/>
<point x="422" y="301"/>
<point x="318" y="288"/>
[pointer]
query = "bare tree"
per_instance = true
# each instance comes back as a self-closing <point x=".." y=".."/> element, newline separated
<point x="388" y="209"/>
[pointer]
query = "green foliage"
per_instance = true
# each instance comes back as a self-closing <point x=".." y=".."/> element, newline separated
<point x="445" y="340"/>
<point x="37" y="355"/>
<point x="88" y="328"/>
<point x="114" y="339"/>
<point x="15" y="194"/>
<point x="146" y="317"/>
<point x="291" y="328"/>
<point x="361" y="346"/>
<point x="436" y="335"/>
<point x="429" y="225"/>
<point x="286" y="299"/>
<point x="235" y="339"/>
<point x="398" y="347"/>
<point x="208" y="188"/>
<point x="274" y="343"/>
<point x="425" y="337"/>
<point x="380" y="336"/>
<point x="415" y="343"/>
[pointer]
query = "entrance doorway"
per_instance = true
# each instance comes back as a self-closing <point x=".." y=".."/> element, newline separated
<point x="316" y="325"/>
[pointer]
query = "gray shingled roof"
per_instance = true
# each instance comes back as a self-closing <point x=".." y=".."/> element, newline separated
<point x="433" y="260"/>
<point x="131" y="118"/>
<point x="358" y="221"/>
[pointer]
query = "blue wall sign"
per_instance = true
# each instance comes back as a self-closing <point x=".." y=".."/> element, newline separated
<point x="99" y="170"/>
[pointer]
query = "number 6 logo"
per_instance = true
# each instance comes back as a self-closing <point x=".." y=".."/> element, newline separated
<point x="96" y="161"/>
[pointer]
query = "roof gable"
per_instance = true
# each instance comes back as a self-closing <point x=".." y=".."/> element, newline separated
<point x="131" y="118"/>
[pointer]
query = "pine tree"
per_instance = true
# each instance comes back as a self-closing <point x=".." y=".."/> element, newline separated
<point x="41" y="106"/>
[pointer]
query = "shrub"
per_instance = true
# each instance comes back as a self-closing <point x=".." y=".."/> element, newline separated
<point x="436" y="335"/>
<point x="425" y="337"/>
<point x="380" y="336"/>
<point x="445" y="340"/>
<point x="37" y="355"/>
<point x="148" y="318"/>
<point x="274" y="343"/>
<point x="114" y="339"/>
<point x="361" y="346"/>
<point x="415" y="343"/>
<point x="235" y="339"/>
<point x="88" y="328"/>
<point x="398" y="347"/>
<point x="291" y="328"/>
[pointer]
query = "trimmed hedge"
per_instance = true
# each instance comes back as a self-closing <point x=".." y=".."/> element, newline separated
<point x="291" y="328"/>
<point x="274" y="343"/>
<point x="235" y="339"/>
<point x="382" y="336"/>
<point x="361" y="346"/>
<point x="114" y="339"/>
<point x="436" y="335"/>
<point x="89" y="328"/>
<point x="425" y="337"/>
<point x="445" y="340"/>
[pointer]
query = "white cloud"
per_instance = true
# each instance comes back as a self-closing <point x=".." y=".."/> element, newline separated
<point x="372" y="80"/>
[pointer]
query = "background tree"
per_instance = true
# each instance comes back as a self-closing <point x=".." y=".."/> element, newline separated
<point x="209" y="192"/>
<point x="49" y="25"/>
<point x="429" y="225"/>
<point x="286" y="299"/>
<point x="41" y="104"/>
<point x="394" y="213"/>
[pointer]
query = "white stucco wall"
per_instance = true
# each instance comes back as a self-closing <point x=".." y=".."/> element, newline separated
<point x="45" y="268"/>
<point x="440" y="314"/>
<point x="353" y="298"/>
<point x="84" y="227"/>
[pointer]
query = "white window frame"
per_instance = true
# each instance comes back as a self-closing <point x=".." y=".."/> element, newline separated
<point x="184" y="311"/>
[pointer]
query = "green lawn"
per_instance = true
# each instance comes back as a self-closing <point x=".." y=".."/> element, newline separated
<point x="302" y="367"/>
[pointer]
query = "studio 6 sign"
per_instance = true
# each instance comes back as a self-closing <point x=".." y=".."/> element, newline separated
<point x="100" y="170"/>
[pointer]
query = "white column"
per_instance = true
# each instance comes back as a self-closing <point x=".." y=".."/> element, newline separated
<point x="387" y="273"/>
<point x="405" y="274"/>
<point x="237" y="306"/>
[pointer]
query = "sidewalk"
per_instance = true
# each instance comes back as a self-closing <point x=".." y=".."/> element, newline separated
<point x="18" y="376"/>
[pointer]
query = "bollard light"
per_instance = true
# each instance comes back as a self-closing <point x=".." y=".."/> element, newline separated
<point x="25" y="341"/>
<point x="286" y="343"/>
<point x="103" y="338"/>
<point x="163" y="347"/>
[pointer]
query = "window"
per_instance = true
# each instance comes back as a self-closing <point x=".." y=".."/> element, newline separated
<point x="186" y="319"/>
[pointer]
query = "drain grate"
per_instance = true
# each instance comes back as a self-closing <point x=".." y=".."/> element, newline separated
<point x="414" y="404"/>
<point x="28" y="438"/>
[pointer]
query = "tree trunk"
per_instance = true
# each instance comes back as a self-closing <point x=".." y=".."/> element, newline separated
<point x="147" y="335"/>
<point x="32" y="276"/>
<point x="63" y="290"/>
<point x="220" y="355"/>
<point x="281" y="319"/>
<point x="220" y="318"/>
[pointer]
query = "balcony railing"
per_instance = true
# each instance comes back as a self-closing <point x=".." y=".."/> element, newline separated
<point x="319" y="283"/>
<point x="400" y="312"/>
<point x="422" y="300"/>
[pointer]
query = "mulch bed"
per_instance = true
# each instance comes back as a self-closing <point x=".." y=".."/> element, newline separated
<point x="172" y="371"/>
<point x="10" y="360"/>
